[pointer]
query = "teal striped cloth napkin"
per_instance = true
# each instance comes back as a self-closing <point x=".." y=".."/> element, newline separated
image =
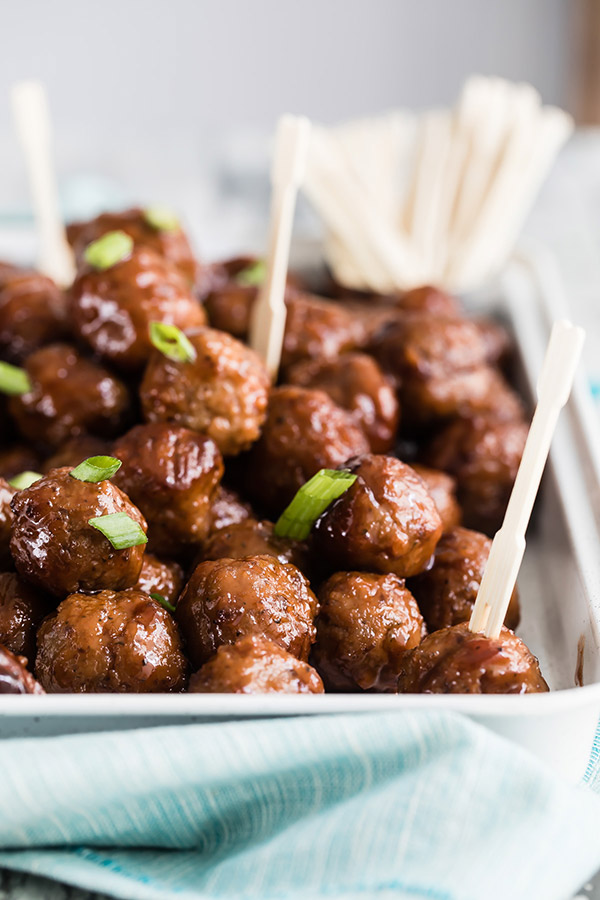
<point x="392" y="805"/>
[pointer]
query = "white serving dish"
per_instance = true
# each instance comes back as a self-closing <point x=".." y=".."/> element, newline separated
<point x="559" y="582"/>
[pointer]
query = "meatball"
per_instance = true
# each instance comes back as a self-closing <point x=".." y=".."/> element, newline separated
<point x="160" y="576"/>
<point x="229" y="298"/>
<point x="171" y="474"/>
<point x="385" y="522"/>
<point x="69" y="395"/>
<point x="447" y="591"/>
<point x="54" y="546"/>
<point x="439" y="365"/>
<point x="255" y="665"/>
<point x="252" y="538"/>
<point x="32" y="312"/>
<point x="6" y="520"/>
<point x="498" y="342"/>
<point x="14" y="677"/>
<point x="229" y="301"/>
<point x="442" y="490"/>
<point x="365" y="624"/>
<point x="170" y="243"/>
<point x="110" y="642"/>
<point x="456" y="661"/>
<point x="497" y="399"/>
<point x="223" y="393"/>
<point x="318" y="329"/>
<point x="227" y="599"/>
<point x="227" y="508"/>
<point x="112" y="308"/>
<point x="484" y="456"/>
<point x="22" y="608"/>
<point x="429" y="300"/>
<point x="355" y="382"/>
<point x="305" y="431"/>
<point x="75" y="450"/>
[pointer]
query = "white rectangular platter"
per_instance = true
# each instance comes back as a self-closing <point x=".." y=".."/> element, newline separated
<point x="559" y="584"/>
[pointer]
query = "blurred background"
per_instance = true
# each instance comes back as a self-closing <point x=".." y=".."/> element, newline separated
<point x="174" y="101"/>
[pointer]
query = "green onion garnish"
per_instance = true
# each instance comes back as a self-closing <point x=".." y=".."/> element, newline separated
<point x="172" y="342"/>
<point x="24" y="480"/>
<point x="252" y="276"/>
<point x="108" y="250"/>
<point x="120" y="529"/>
<point x="96" y="468"/>
<point x="13" y="380"/>
<point x="311" y="501"/>
<point x="163" y="601"/>
<point x="161" y="218"/>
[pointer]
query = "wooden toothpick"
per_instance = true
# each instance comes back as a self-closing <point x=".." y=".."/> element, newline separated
<point x="32" y="118"/>
<point x="508" y="546"/>
<point x="267" y="325"/>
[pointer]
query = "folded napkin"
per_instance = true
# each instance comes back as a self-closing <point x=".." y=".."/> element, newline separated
<point x="393" y="805"/>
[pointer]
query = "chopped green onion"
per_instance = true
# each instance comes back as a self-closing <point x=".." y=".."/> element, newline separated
<point x="161" y="218"/>
<point x="163" y="601"/>
<point x="172" y="342"/>
<point x="24" y="480"/>
<point x="311" y="501"/>
<point x="120" y="529"/>
<point x="13" y="380"/>
<point x="252" y="276"/>
<point x="108" y="250"/>
<point x="96" y="468"/>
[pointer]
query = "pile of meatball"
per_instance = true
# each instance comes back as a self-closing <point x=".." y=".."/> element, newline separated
<point x="403" y="391"/>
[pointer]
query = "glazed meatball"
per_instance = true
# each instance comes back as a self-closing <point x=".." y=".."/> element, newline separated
<point x="442" y="490"/>
<point x="484" y="456"/>
<point x="230" y="299"/>
<point x="497" y="341"/>
<point x="19" y="458"/>
<point x="112" y="308"/>
<point x="355" y="382"/>
<point x="318" y="329"/>
<point x="252" y="538"/>
<point x="6" y="520"/>
<point x="160" y="577"/>
<point x="223" y="393"/>
<point x="32" y="312"/>
<point x="54" y="546"/>
<point x="429" y="300"/>
<point x="385" y="522"/>
<point x="439" y="365"/>
<point x="305" y="431"/>
<point x="372" y="317"/>
<point x="22" y="608"/>
<point x="170" y="243"/>
<point x="497" y="399"/>
<point x="255" y="665"/>
<point x="14" y="677"/>
<point x="447" y="591"/>
<point x="456" y="661"/>
<point x="70" y="395"/>
<point x="110" y="642"/>
<point x="426" y="300"/>
<point x="365" y="624"/>
<point x="171" y="474"/>
<point x="227" y="508"/>
<point x="75" y="450"/>
<point x="227" y="599"/>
